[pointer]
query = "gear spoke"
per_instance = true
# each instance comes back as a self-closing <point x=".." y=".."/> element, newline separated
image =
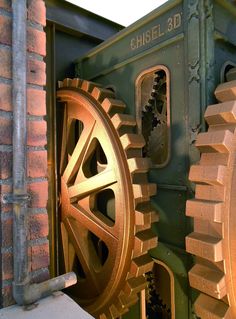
<point x="84" y="252"/>
<point x="93" y="224"/>
<point x="78" y="153"/>
<point x="92" y="184"/>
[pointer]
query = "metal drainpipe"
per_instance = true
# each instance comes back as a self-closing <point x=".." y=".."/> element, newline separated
<point x="24" y="293"/>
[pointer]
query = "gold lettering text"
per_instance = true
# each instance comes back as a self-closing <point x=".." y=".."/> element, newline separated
<point x="132" y="44"/>
<point x="139" y="41"/>
<point x="148" y="36"/>
<point x="172" y="23"/>
<point x="177" y="20"/>
<point x="154" y="32"/>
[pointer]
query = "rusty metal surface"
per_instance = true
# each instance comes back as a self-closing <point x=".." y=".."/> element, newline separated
<point x="105" y="210"/>
<point x="213" y="209"/>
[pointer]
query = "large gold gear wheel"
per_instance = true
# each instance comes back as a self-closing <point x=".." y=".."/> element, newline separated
<point x="214" y="210"/>
<point x="106" y="214"/>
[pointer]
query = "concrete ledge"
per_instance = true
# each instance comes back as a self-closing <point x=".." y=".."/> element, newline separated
<point x="58" y="306"/>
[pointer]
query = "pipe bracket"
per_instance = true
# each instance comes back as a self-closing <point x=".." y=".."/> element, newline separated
<point x="15" y="198"/>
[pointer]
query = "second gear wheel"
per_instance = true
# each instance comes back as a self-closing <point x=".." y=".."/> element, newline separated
<point x="213" y="209"/>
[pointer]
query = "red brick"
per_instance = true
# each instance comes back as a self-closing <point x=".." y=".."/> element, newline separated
<point x="7" y="266"/>
<point x="5" y="131"/>
<point x="5" y="30"/>
<point x="37" y="164"/>
<point x="5" y="165"/>
<point x="5" y="97"/>
<point x="5" y="4"/>
<point x="7" y="233"/>
<point x="37" y="131"/>
<point x="38" y="226"/>
<point x="7" y="298"/>
<point x="36" y="41"/>
<point x="6" y="208"/>
<point x="39" y="194"/>
<point x="36" y="102"/>
<point x="39" y="256"/>
<point x="37" y="11"/>
<point x="36" y="73"/>
<point x="5" y="189"/>
<point x="5" y="58"/>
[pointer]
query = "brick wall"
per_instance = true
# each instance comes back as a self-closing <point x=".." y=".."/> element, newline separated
<point x="36" y="154"/>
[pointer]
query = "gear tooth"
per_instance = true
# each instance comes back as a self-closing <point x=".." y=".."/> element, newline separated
<point x="104" y="316"/>
<point x="208" y="280"/>
<point x="208" y="307"/>
<point x="209" y="192"/>
<point x="89" y="86"/>
<point x="142" y="192"/>
<point x="100" y="94"/>
<point x="127" y="301"/>
<point x="213" y="175"/>
<point x="85" y="85"/>
<point x="138" y="165"/>
<point x="76" y="82"/>
<point x="226" y="91"/>
<point x="135" y="285"/>
<point x="132" y="141"/>
<point x="214" y="159"/>
<point x="114" y="312"/>
<point x="122" y="309"/>
<point x="205" y="246"/>
<point x="221" y="113"/>
<point x="206" y="210"/>
<point x="67" y="82"/>
<point x="149" y="104"/>
<point x="119" y="120"/>
<point x="141" y="265"/>
<point x="60" y="84"/>
<point x="145" y="214"/>
<point x="139" y="228"/>
<point x="219" y="141"/>
<point x="144" y="240"/>
<point x="112" y="106"/>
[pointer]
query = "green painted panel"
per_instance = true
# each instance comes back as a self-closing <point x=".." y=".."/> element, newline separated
<point x="195" y="41"/>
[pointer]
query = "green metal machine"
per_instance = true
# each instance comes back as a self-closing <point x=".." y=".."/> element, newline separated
<point x="165" y="68"/>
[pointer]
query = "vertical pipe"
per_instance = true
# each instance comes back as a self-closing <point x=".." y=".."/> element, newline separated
<point x="19" y="67"/>
<point x="24" y="292"/>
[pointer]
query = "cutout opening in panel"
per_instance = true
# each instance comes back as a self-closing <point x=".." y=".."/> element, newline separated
<point x="159" y="300"/>
<point x="153" y="114"/>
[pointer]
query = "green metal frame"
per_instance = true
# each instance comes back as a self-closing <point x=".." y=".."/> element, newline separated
<point x="195" y="50"/>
